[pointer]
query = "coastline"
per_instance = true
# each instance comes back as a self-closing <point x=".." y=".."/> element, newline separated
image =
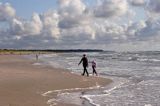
<point x="22" y="84"/>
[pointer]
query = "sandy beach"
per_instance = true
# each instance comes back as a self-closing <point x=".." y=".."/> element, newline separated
<point x="22" y="84"/>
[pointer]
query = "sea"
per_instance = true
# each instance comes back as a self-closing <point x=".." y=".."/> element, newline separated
<point x="135" y="75"/>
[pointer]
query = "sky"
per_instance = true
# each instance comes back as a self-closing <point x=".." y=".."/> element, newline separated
<point x="120" y="25"/>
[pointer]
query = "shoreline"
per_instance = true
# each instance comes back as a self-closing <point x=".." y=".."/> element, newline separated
<point x="22" y="83"/>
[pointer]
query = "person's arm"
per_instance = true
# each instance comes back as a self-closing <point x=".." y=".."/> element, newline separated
<point x="80" y="62"/>
<point x="87" y="62"/>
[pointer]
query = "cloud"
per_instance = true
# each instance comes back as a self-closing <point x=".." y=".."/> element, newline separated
<point x="76" y="25"/>
<point x="16" y="27"/>
<point x="138" y="2"/>
<point x="40" y="25"/>
<point x="73" y="13"/>
<point x="154" y="7"/>
<point x="35" y="26"/>
<point x="21" y="27"/>
<point x="134" y="28"/>
<point x="72" y="21"/>
<point x="7" y="12"/>
<point x="71" y="7"/>
<point x="109" y="31"/>
<point x="151" y="30"/>
<point x="50" y="21"/>
<point x="75" y="20"/>
<point x="111" y="8"/>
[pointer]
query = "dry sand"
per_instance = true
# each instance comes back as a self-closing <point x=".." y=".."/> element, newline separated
<point x="22" y="84"/>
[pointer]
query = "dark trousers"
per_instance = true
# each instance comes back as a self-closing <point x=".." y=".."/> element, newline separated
<point x="94" y="70"/>
<point x="85" y="70"/>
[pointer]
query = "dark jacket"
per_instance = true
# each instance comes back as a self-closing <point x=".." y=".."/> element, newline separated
<point x="84" y="60"/>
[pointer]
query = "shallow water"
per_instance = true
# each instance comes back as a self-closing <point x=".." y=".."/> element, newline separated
<point x="136" y="77"/>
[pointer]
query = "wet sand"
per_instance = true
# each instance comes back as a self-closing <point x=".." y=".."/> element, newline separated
<point x="22" y="84"/>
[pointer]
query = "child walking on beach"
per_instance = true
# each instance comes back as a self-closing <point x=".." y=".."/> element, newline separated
<point x="94" y="68"/>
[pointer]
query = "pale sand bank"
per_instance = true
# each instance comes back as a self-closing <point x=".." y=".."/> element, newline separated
<point x="22" y="84"/>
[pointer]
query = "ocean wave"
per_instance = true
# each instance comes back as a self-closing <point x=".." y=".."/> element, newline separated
<point x="55" y="64"/>
<point x="88" y="98"/>
<point x="131" y="66"/>
<point x="37" y="64"/>
<point x="72" y="89"/>
<point x="132" y="58"/>
<point x="117" y="83"/>
<point x="65" y="96"/>
<point x="48" y="55"/>
<point x="149" y="60"/>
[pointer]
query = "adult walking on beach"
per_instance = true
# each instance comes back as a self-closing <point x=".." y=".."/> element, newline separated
<point x="37" y="57"/>
<point x="84" y="61"/>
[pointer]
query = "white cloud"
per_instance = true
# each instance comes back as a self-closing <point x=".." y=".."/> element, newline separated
<point x="138" y="2"/>
<point x="73" y="21"/>
<point x="134" y="28"/>
<point x="110" y="31"/>
<point x="34" y="26"/>
<point x="40" y="25"/>
<point x="6" y="12"/>
<point x="111" y="8"/>
<point x="50" y="21"/>
<point x="154" y="7"/>
<point x="69" y="7"/>
<point x="151" y="30"/>
<point x="21" y="27"/>
<point x="16" y="27"/>
<point x="74" y="25"/>
<point x="72" y="14"/>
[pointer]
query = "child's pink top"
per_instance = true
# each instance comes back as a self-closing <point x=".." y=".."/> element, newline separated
<point x="93" y="64"/>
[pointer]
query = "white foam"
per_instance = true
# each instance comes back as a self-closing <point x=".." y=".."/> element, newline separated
<point x="46" y="93"/>
<point x="49" y="55"/>
<point x="72" y="89"/>
<point x="147" y="105"/>
<point x="87" y="97"/>
<point x="113" y="86"/>
<point x="52" y="101"/>
<point x="107" y="92"/>
<point x="37" y="64"/>
<point x="55" y="64"/>
<point x="149" y="60"/>
<point x="71" y="98"/>
<point x="155" y="60"/>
